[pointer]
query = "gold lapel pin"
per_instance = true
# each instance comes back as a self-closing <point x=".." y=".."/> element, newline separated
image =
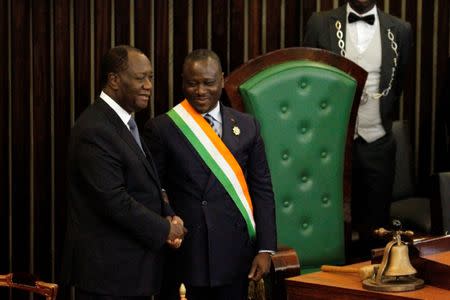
<point x="236" y="130"/>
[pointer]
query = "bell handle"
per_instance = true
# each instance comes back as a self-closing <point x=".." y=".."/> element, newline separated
<point x="384" y="261"/>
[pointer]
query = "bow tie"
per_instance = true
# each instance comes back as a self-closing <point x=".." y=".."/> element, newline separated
<point x="369" y="19"/>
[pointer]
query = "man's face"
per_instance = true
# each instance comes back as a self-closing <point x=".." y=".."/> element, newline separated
<point x="135" y="83"/>
<point x="362" y="6"/>
<point x="202" y="84"/>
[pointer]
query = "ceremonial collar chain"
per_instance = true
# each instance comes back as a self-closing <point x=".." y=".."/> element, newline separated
<point x="341" y="44"/>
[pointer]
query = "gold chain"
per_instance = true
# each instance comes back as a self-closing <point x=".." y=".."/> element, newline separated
<point x="391" y="37"/>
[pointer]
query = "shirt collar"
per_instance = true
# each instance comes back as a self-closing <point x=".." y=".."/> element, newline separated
<point x="373" y="11"/>
<point x="122" y="113"/>
<point x="215" y="113"/>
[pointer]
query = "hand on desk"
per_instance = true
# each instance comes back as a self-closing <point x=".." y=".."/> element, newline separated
<point x="177" y="231"/>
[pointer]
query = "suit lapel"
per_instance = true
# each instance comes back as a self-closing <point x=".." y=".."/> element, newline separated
<point x="150" y="161"/>
<point x="387" y="54"/>
<point x="125" y="134"/>
<point x="337" y="15"/>
<point x="229" y="138"/>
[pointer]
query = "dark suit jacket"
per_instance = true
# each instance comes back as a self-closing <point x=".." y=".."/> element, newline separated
<point x="115" y="231"/>
<point x="217" y="248"/>
<point x="321" y="33"/>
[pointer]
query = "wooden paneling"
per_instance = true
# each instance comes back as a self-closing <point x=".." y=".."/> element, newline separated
<point x="82" y="56"/>
<point x="200" y="24"/>
<point x="308" y="8"/>
<point x="219" y="39"/>
<point x="443" y="47"/>
<point x="41" y="141"/>
<point x="292" y="24"/>
<point x="143" y="40"/>
<point x="273" y="22"/>
<point x="395" y="8"/>
<point x="254" y="29"/>
<point x="409" y="91"/>
<point x="122" y="21"/>
<point x="62" y="116"/>
<point x="4" y="146"/>
<point x="326" y="5"/>
<point x="236" y="34"/>
<point x="102" y="40"/>
<point x="426" y="84"/>
<point x="161" y="57"/>
<point x="180" y="35"/>
<point x="21" y="143"/>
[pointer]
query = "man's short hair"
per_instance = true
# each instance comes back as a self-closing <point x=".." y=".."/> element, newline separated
<point x="203" y="54"/>
<point x="115" y="61"/>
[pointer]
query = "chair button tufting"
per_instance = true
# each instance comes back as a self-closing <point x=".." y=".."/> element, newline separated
<point x="325" y="199"/>
<point x="303" y="84"/>
<point x="204" y="202"/>
<point x="305" y="225"/>
<point x="285" y="156"/>
<point x="286" y="203"/>
<point x="284" y="109"/>
<point x="304" y="178"/>
<point x="323" y="105"/>
<point x="303" y="130"/>
<point x="323" y="154"/>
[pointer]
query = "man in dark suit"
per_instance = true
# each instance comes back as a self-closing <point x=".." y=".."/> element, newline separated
<point x="116" y="226"/>
<point x="381" y="44"/>
<point x="223" y="249"/>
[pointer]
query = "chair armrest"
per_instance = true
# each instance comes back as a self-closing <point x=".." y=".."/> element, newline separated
<point x="285" y="263"/>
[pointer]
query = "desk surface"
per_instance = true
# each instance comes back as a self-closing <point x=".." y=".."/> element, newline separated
<point x="327" y="285"/>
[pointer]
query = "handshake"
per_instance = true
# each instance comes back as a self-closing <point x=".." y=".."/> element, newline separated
<point x="177" y="231"/>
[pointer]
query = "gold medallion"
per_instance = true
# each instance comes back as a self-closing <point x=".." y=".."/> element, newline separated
<point x="236" y="130"/>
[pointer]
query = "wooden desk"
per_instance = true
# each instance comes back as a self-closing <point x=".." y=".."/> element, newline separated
<point x="323" y="285"/>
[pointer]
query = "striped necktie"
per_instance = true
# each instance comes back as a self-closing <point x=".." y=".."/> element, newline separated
<point x="211" y="122"/>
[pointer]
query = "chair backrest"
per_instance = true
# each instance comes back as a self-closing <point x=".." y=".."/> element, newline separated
<point x="306" y="102"/>
<point x="444" y="190"/>
<point x="28" y="283"/>
<point x="425" y="210"/>
<point x="404" y="182"/>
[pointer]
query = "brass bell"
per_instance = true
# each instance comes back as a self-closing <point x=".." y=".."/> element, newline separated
<point x="395" y="273"/>
<point x="399" y="264"/>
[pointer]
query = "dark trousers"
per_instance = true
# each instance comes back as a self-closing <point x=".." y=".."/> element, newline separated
<point x="373" y="172"/>
<point x="84" y="295"/>
<point x="235" y="291"/>
<point x="238" y="290"/>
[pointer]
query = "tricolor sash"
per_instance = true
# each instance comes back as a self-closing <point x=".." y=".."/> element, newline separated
<point x="217" y="157"/>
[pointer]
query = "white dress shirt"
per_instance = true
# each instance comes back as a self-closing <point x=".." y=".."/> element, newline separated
<point x="122" y="113"/>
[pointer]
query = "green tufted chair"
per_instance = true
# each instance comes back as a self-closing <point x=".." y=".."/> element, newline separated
<point x="306" y="102"/>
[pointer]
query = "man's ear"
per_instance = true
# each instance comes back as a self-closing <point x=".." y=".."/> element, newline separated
<point x="113" y="80"/>
<point x="223" y="80"/>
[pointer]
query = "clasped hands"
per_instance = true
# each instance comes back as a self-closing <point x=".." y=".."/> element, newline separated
<point x="177" y="231"/>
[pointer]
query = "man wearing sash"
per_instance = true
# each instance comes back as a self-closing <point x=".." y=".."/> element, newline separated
<point x="381" y="44"/>
<point x="212" y="163"/>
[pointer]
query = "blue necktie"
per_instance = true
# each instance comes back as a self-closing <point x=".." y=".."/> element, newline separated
<point x="211" y="122"/>
<point x="135" y="132"/>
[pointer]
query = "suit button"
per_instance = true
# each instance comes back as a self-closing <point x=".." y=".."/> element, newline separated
<point x="204" y="202"/>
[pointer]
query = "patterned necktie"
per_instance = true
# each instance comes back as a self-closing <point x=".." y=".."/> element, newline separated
<point x="135" y="132"/>
<point x="211" y="122"/>
<point x="369" y="19"/>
